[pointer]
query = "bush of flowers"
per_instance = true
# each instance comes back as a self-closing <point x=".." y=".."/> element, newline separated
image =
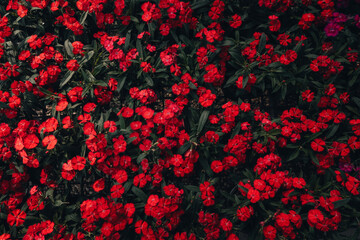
<point x="179" y="119"/>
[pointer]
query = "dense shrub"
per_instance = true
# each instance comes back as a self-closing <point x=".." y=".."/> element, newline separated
<point x="179" y="120"/>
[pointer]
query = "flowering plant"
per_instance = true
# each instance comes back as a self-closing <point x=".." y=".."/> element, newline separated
<point x="173" y="119"/>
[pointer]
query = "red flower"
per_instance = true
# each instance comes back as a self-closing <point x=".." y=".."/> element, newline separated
<point x="61" y="105"/>
<point x="206" y="99"/>
<point x="318" y="145"/>
<point x="306" y="20"/>
<point x="16" y="217"/>
<point x="217" y="166"/>
<point x="211" y="136"/>
<point x="274" y="23"/>
<point x="73" y="65"/>
<point x="66" y="172"/>
<point x="107" y="229"/>
<point x="117" y="191"/>
<point x="49" y="142"/>
<point x="111" y="125"/>
<point x="289" y="57"/>
<point x="4" y="129"/>
<point x="34" y="42"/>
<point x="176" y="160"/>
<point x="236" y="21"/>
<point x="226" y="225"/>
<point x="119" y="144"/>
<point x="99" y="185"/>
<point x="244" y="213"/>
<point x="307" y="96"/>
<point x="126" y="112"/>
<point x="151" y="12"/>
<point x="5" y="236"/>
<point x="89" y="129"/>
<point x="153" y="200"/>
<point x="282" y="220"/>
<point x="67" y="122"/>
<point x="216" y="9"/>
<point x="89" y="107"/>
<point x="253" y="195"/>
<point x="78" y="48"/>
<point x="120" y="176"/>
<point x="269" y="232"/>
<point x="31" y="141"/>
<point x="299" y="183"/>
<point x="315" y="216"/>
<point x="22" y="11"/>
<point x="259" y="184"/>
<point x="75" y="94"/>
<point x="78" y="163"/>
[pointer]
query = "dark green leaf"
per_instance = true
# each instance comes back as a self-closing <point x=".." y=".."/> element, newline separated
<point x="66" y="78"/>
<point x="86" y="57"/>
<point x="68" y="48"/>
<point x="341" y="203"/>
<point x="192" y="188"/>
<point x="332" y="131"/>
<point x="262" y="42"/>
<point x="294" y="155"/>
<point x="139" y="193"/>
<point x="203" y="118"/>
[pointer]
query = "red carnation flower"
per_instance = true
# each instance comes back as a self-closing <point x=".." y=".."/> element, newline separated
<point x="16" y="217"/>
<point x="236" y="21"/>
<point x="270" y="232"/>
<point x="49" y="142"/>
<point x="217" y="166"/>
<point x="99" y="185"/>
<point x="31" y="141"/>
<point x="73" y="65"/>
<point x="318" y="145"/>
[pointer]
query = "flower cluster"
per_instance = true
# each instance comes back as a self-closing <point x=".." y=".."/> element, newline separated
<point x="177" y="119"/>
